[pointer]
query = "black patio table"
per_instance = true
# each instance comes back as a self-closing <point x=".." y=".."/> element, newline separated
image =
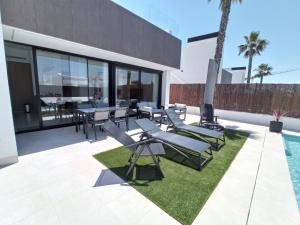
<point x="86" y="113"/>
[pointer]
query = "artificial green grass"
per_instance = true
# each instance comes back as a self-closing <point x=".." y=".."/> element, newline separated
<point x="183" y="191"/>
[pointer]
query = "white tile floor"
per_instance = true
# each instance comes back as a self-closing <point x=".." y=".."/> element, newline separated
<point x="256" y="189"/>
<point x="58" y="182"/>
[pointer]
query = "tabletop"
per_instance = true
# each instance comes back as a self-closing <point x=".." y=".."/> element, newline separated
<point x="92" y="110"/>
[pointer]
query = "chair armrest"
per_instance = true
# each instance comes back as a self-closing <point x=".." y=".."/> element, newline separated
<point x="140" y="142"/>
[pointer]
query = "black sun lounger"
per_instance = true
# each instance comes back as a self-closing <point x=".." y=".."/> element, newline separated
<point x="187" y="147"/>
<point x="141" y="148"/>
<point x="196" y="131"/>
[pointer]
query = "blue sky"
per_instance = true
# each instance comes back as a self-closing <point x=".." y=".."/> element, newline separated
<point x="277" y="20"/>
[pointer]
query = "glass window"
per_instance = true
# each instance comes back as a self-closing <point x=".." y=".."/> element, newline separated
<point x="149" y="87"/>
<point x="63" y="83"/>
<point x="98" y="81"/>
<point x="128" y="87"/>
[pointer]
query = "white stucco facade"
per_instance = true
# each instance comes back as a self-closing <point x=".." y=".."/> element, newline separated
<point x="8" y="147"/>
<point x="238" y="74"/>
<point x="194" y="61"/>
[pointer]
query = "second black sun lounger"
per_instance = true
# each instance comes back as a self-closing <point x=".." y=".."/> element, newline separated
<point x="189" y="148"/>
<point x="196" y="131"/>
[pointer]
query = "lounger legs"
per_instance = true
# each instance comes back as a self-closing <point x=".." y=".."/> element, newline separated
<point x="155" y="161"/>
<point x="135" y="156"/>
<point x="133" y="159"/>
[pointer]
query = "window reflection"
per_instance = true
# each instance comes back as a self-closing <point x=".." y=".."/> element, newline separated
<point x="128" y="87"/>
<point x="149" y="87"/>
<point x="64" y="83"/>
<point x="98" y="82"/>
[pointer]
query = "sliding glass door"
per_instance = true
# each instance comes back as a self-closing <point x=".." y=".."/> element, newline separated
<point x="149" y="87"/>
<point x="23" y="91"/>
<point x="98" y="82"/>
<point x="136" y="85"/>
<point x="128" y="87"/>
<point x="66" y="81"/>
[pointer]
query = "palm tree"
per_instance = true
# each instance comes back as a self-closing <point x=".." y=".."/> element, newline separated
<point x="262" y="71"/>
<point x="225" y="6"/>
<point x="253" y="46"/>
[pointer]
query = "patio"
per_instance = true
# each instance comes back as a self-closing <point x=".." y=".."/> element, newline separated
<point x="57" y="181"/>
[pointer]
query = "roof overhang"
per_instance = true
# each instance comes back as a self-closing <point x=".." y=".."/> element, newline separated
<point x="18" y="35"/>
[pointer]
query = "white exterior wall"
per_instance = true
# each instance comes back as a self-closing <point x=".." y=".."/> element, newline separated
<point x="238" y="76"/>
<point x="194" y="62"/>
<point x="289" y="123"/>
<point x="165" y="89"/>
<point x="8" y="147"/>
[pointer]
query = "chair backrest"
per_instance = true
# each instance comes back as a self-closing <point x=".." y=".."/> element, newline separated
<point x="101" y="114"/>
<point x="147" y="125"/>
<point x="180" y="106"/>
<point x="71" y="105"/>
<point x="101" y="105"/>
<point x="124" y="103"/>
<point x="121" y="112"/>
<point x="141" y="104"/>
<point x="119" y="134"/>
<point x="173" y="117"/>
<point x="208" y="112"/>
<point x="84" y="106"/>
<point x="152" y="105"/>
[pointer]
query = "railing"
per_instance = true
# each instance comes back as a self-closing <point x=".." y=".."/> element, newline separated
<point x="253" y="98"/>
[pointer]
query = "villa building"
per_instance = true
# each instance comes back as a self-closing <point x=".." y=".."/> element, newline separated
<point x="194" y="63"/>
<point x="55" y="54"/>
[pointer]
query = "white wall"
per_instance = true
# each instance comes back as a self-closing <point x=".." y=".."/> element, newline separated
<point x="8" y="147"/>
<point x="165" y="89"/>
<point x="194" y="62"/>
<point x="238" y="76"/>
<point x="289" y="123"/>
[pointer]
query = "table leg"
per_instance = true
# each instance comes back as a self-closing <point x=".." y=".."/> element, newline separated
<point x="86" y="127"/>
<point x="76" y="121"/>
<point x="160" y="122"/>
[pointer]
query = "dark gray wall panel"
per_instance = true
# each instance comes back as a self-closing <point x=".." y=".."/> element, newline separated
<point x="98" y="23"/>
<point x="54" y="18"/>
<point x="86" y="26"/>
<point x="110" y="19"/>
<point x="20" y="13"/>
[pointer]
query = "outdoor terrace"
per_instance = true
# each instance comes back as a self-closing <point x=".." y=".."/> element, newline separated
<point x="58" y="181"/>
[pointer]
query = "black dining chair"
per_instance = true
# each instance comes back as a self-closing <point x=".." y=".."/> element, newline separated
<point x="121" y="115"/>
<point x="98" y="119"/>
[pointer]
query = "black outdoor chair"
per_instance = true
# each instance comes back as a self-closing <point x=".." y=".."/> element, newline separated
<point x="199" y="132"/>
<point x="189" y="148"/>
<point x="208" y="119"/>
<point x="80" y="116"/>
<point x="137" y="148"/>
<point x="98" y="119"/>
<point x="180" y="109"/>
<point x="121" y="115"/>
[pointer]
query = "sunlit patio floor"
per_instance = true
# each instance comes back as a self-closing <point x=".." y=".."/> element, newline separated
<point x="58" y="181"/>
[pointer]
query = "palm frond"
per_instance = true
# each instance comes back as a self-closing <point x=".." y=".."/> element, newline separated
<point x="263" y="70"/>
<point x="254" y="36"/>
<point x="246" y="39"/>
<point x="242" y="48"/>
<point x="253" y="44"/>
